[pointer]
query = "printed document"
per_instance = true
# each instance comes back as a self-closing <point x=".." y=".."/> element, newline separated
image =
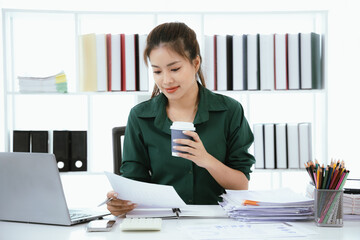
<point x="145" y="195"/>
<point x="241" y="230"/>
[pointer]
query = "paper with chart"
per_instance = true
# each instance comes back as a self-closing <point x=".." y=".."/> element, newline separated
<point x="242" y="230"/>
<point x="145" y="195"/>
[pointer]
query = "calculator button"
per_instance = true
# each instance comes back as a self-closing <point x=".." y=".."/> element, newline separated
<point x="141" y="224"/>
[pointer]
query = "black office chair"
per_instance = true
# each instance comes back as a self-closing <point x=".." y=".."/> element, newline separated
<point x="117" y="132"/>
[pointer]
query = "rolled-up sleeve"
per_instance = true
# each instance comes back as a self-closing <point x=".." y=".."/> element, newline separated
<point x="240" y="138"/>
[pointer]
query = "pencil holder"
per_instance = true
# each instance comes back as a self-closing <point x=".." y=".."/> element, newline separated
<point x="328" y="208"/>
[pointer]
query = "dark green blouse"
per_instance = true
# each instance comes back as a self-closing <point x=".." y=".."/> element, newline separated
<point x="222" y="128"/>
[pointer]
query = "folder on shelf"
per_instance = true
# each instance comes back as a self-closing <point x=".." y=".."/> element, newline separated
<point x="61" y="149"/>
<point x="115" y="63"/>
<point x="136" y="52"/>
<point x="310" y="56"/>
<point x="305" y="143"/>
<point x="229" y="62"/>
<point x="221" y="60"/>
<point x="129" y="75"/>
<point x="109" y="61"/>
<point x="281" y="145"/>
<point x="259" y="154"/>
<point x="143" y="69"/>
<point x="266" y="53"/>
<point x="40" y="141"/>
<point x="210" y="62"/>
<point x="293" y="49"/>
<point x="245" y="65"/>
<point x="78" y="160"/>
<point x="88" y="63"/>
<point x="269" y="144"/>
<point x="281" y="74"/>
<point x="239" y="62"/>
<point x="293" y="145"/>
<point x="123" y="62"/>
<point x="21" y="141"/>
<point x="101" y="62"/>
<point x="253" y="63"/>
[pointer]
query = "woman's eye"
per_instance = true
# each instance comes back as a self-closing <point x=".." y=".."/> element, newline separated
<point x="157" y="72"/>
<point x="175" y="69"/>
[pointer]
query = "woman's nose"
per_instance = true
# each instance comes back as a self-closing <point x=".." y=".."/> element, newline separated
<point x="167" y="78"/>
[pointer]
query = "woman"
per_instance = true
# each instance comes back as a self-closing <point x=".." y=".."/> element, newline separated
<point x="217" y="158"/>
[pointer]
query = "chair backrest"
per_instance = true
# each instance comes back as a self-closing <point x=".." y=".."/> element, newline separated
<point x="117" y="132"/>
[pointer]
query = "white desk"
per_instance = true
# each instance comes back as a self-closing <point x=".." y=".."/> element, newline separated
<point x="88" y="190"/>
<point x="171" y="229"/>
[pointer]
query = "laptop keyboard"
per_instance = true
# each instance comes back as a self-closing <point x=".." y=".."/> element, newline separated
<point x="77" y="215"/>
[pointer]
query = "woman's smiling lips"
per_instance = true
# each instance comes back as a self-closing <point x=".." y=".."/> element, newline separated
<point x="172" y="89"/>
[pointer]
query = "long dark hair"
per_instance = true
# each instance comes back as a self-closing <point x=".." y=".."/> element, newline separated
<point x="179" y="38"/>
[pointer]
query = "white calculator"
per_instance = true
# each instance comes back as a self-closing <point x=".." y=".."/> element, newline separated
<point x="141" y="224"/>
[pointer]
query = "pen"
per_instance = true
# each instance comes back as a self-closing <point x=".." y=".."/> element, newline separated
<point x="325" y="178"/>
<point x="176" y="211"/>
<point x="105" y="202"/>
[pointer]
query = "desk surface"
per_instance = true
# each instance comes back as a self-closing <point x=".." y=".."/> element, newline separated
<point x="91" y="189"/>
<point x="171" y="229"/>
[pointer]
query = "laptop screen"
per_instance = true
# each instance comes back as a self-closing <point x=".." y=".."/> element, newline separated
<point x="31" y="189"/>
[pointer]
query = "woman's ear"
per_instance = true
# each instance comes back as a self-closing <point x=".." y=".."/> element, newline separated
<point x="196" y="63"/>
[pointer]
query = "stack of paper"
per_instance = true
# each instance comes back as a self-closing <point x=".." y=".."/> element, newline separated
<point x="271" y="205"/>
<point x="54" y="83"/>
<point x="351" y="203"/>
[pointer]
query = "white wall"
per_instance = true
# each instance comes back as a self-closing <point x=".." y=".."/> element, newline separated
<point x="343" y="54"/>
<point x="166" y="5"/>
<point x="2" y="129"/>
<point x="344" y="84"/>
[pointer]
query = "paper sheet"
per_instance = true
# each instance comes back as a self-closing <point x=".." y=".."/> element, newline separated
<point x="145" y="195"/>
<point x="239" y="230"/>
<point x="283" y="197"/>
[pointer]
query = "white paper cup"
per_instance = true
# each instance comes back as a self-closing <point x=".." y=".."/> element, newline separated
<point x="177" y="129"/>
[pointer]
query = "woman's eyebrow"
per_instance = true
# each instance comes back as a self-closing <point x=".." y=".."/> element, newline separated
<point x="170" y="64"/>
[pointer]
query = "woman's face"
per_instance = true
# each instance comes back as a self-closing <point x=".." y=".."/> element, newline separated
<point x="173" y="74"/>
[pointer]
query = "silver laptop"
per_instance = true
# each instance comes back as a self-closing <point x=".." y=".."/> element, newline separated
<point x="31" y="191"/>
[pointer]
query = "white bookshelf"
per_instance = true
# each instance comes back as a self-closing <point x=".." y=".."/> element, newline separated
<point x="98" y="112"/>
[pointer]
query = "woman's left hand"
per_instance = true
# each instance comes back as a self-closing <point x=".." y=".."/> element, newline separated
<point x="195" y="150"/>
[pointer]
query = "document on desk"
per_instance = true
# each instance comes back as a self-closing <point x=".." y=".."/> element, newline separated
<point x="189" y="211"/>
<point x="242" y="230"/>
<point x="145" y="195"/>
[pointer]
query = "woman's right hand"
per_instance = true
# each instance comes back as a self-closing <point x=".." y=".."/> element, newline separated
<point x="117" y="206"/>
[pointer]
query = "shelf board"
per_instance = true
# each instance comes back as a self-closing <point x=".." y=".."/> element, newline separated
<point x="279" y="170"/>
<point x="82" y="173"/>
<point x="245" y="92"/>
<point x="141" y="93"/>
<point x="254" y="92"/>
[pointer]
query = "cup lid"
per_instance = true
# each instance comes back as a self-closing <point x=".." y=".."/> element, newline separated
<point x="183" y="126"/>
